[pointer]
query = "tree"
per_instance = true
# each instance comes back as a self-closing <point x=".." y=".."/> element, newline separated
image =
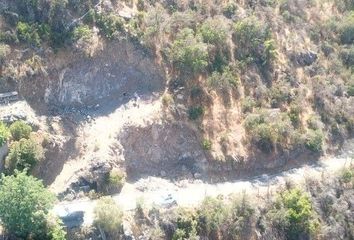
<point x="20" y="129"/>
<point x="4" y="133"/>
<point x="108" y="216"/>
<point x="24" y="154"/>
<point x="214" y="31"/>
<point x="293" y="214"/>
<point x="24" y="205"/>
<point x="188" y="52"/>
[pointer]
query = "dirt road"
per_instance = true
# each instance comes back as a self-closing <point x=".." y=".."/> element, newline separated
<point x="164" y="193"/>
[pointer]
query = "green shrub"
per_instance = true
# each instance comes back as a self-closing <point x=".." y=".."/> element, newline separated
<point x="206" y="144"/>
<point x="266" y="129"/>
<point x="254" y="42"/>
<point x="28" y="33"/>
<point x="109" y="24"/>
<point x="214" y="31"/>
<point x="293" y="214"/>
<point x="4" y="133"/>
<point x="108" y="217"/>
<point x="240" y="219"/>
<point x="195" y="112"/>
<point x="20" y="129"/>
<point x="115" y="181"/>
<point x="188" y="52"/>
<point x="279" y="94"/>
<point x="314" y="140"/>
<point x="23" y="154"/>
<point x="347" y="175"/>
<point x="223" y="81"/>
<point x="211" y="215"/>
<point x="350" y="90"/>
<point x="4" y="51"/>
<point x="229" y="10"/>
<point x="248" y="104"/>
<point x="347" y="56"/>
<point x="8" y="37"/>
<point x="82" y="32"/>
<point x="186" y="225"/>
<point x="346" y="29"/>
<point x="294" y="114"/>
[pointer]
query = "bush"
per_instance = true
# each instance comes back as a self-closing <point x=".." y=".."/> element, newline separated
<point x="195" y="112"/>
<point x="223" y="81"/>
<point x="82" y="32"/>
<point x="4" y="133"/>
<point x="115" y="181"/>
<point x="240" y="219"/>
<point x="23" y="154"/>
<point x="293" y="214"/>
<point x="19" y="130"/>
<point x="206" y="144"/>
<point x="109" y="24"/>
<point x="351" y="90"/>
<point x="347" y="176"/>
<point x="186" y="225"/>
<point x="211" y="215"/>
<point x="267" y="130"/>
<point x="24" y="206"/>
<point x="229" y="10"/>
<point x="108" y="216"/>
<point x="214" y="31"/>
<point x="4" y="51"/>
<point x="188" y="52"/>
<point x="28" y="33"/>
<point x="254" y="43"/>
<point x="314" y="140"/>
<point x="347" y="56"/>
<point x="346" y="29"/>
<point x="248" y="104"/>
<point x="279" y="94"/>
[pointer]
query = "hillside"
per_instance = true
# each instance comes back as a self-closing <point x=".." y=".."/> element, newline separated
<point x="108" y="92"/>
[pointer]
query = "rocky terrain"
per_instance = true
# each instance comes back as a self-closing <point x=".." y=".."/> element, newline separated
<point x="174" y="101"/>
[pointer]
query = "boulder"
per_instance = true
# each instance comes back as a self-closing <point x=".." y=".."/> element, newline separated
<point x="304" y="58"/>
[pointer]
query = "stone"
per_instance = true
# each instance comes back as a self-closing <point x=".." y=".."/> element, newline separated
<point x="305" y="58"/>
<point x="197" y="175"/>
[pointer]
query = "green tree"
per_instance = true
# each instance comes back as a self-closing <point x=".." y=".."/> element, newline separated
<point x="4" y="133"/>
<point x="188" y="52"/>
<point x="24" y="205"/>
<point x="254" y="42"/>
<point x="20" y="129"/>
<point x="108" y="216"/>
<point x="314" y="140"/>
<point x="23" y="154"/>
<point x="214" y="31"/>
<point x="293" y="214"/>
<point x="28" y="33"/>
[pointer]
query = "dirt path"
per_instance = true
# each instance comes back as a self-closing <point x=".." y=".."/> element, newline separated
<point x="162" y="192"/>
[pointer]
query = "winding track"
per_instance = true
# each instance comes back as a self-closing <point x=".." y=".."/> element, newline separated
<point x="159" y="192"/>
